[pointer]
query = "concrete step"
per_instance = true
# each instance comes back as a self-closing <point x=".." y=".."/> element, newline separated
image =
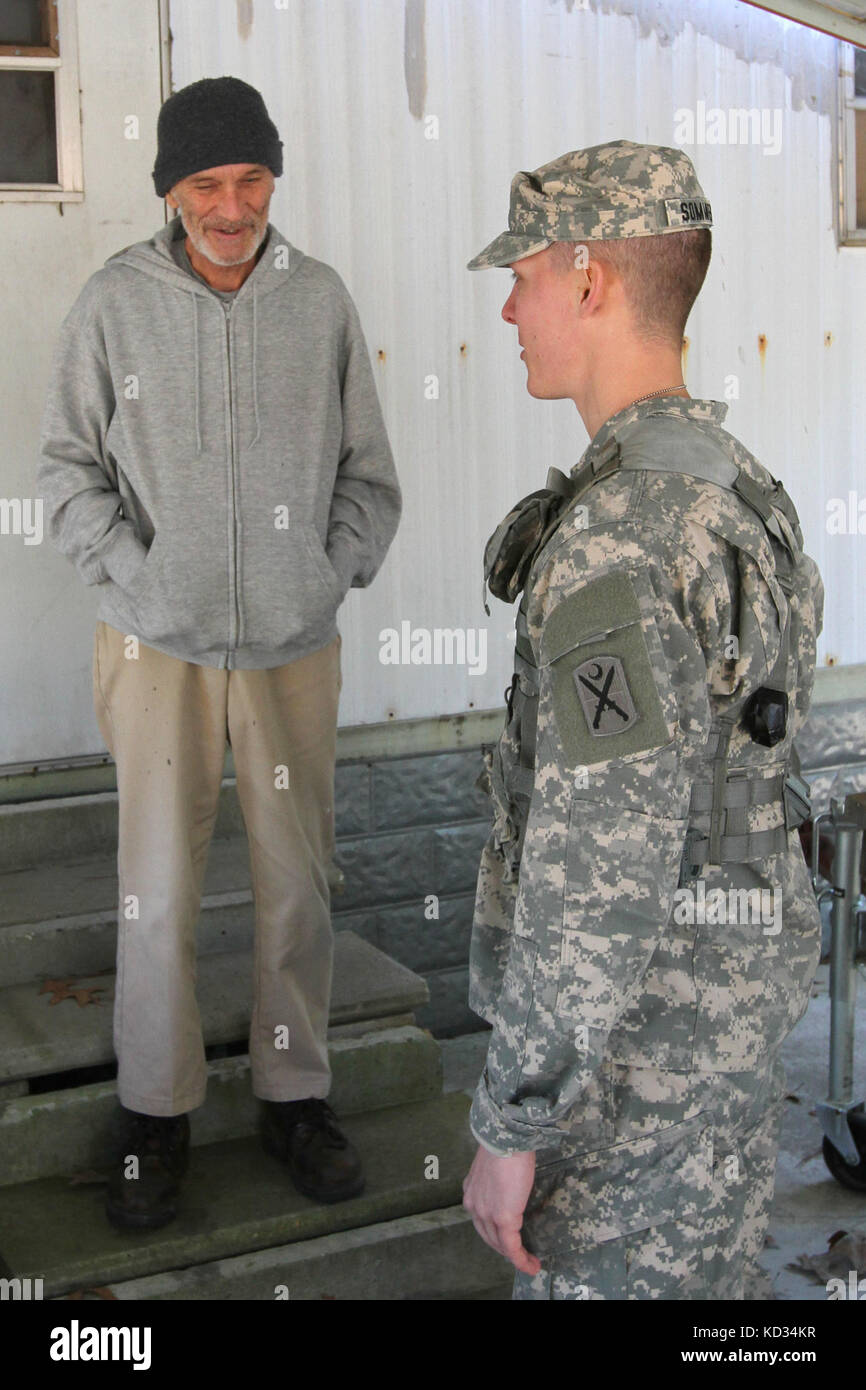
<point x="374" y="791"/>
<point x="61" y="919"/>
<point x="434" y="1255"/>
<point x="38" y="1037"/>
<point x="37" y="833"/>
<point x="85" y="943"/>
<point x="237" y="1200"/>
<point x="70" y="1132"/>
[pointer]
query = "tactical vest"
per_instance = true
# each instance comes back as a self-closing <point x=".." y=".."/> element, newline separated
<point x="508" y="559"/>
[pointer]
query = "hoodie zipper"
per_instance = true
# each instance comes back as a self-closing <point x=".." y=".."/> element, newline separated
<point x="234" y="600"/>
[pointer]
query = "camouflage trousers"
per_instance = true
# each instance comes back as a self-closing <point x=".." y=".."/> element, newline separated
<point x="676" y="1206"/>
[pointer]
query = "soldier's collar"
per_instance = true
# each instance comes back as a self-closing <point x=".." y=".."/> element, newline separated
<point x="603" y="447"/>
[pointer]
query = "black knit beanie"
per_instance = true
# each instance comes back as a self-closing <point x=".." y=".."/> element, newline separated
<point x="219" y="120"/>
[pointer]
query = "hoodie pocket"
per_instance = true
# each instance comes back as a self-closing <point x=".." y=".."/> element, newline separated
<point x="139" y="578"/>
<point x="288" y="587"/>
<point x="320" y="560"/>
<point x="179" y="594"/>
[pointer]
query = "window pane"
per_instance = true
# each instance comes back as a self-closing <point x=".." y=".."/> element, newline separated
<point x="860" y="72"/>
<point x="28" y="143"/>
<point x="23" y="22"/>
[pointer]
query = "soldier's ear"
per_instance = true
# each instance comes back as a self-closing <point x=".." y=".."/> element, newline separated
<point x="584" y="287"/>
<point x="591" y="279"/>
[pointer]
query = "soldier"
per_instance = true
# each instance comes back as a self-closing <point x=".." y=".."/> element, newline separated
<point x="645" y="934"/>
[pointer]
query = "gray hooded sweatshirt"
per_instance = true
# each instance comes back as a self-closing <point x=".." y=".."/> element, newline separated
<point x="218" y="465"/>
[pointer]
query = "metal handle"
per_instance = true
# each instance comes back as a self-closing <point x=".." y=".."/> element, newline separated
<point x="816" y="844"/>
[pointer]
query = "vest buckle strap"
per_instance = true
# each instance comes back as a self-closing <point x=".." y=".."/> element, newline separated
<point x="797" y="802"/>
<point x="607" y="460"/>
<point x="737" y="849"/>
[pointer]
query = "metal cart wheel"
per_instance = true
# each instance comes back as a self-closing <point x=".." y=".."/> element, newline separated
<point x="852" y="1175"/>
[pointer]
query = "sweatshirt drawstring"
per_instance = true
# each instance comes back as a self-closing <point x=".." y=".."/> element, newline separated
<point x="196" y="370"/>
<point x="255" y="438"/>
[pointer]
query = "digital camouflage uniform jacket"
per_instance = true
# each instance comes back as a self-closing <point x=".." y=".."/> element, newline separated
<point x="579" y="960"/>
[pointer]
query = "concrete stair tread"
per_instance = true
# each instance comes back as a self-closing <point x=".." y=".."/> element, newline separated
<point x="429" y="1255"/>
<point x="55" y="1133"/>
<point x="38" y="1037"/>
<point x="236" y="1199"/>
<point x="89" y="886"/>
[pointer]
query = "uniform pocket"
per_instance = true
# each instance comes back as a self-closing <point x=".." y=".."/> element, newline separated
<point x="488" y="958"/>
<point x="491" y="932"/>
<point x="508" y="817"/>
<point x="756" y="952"/>
<point x="508" y="1043"/>
<point x="613" y="1192"/>
<point x="622" y="869"/>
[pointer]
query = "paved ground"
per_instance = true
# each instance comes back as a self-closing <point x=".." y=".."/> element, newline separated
<point x="809" y="1204"/>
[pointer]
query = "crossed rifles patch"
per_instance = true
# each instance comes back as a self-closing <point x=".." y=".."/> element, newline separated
<point x="607" y="690"/>
<point x="605" y="696"/>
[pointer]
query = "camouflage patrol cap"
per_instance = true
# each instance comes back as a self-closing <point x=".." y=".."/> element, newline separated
<point x="604" y="192"/>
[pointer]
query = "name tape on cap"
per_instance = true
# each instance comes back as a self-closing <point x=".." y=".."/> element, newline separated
<point x="687" y="212"/>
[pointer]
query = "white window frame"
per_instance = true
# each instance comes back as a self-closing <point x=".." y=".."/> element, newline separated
<point x="70" y="171"/>
<point x="849" y="233"/>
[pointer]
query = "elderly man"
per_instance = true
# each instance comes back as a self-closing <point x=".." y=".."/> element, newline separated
<point x="645" y="932"/>
<point x="214" y="459"/>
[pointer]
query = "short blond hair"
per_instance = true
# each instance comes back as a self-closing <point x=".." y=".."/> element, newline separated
<point x="662" y="275"/>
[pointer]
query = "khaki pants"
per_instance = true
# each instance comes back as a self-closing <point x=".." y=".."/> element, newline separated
<point x="166" y="723"/>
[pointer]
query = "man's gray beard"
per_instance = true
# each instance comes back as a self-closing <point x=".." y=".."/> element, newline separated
<point x="203" y="249"/>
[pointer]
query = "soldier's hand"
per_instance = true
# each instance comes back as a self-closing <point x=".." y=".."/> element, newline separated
<point x="495" y="1192"/>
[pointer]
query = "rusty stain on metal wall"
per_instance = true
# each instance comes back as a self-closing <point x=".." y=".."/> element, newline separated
<point x="415" y="57"/>
<point x="245" y="18"/>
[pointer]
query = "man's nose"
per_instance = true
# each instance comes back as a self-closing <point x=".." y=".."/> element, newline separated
<point x="229" y="206"/>
<point x="508" y="309"/>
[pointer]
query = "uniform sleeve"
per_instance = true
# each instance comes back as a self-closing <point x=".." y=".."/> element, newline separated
<point x="366" y="503"/>
<point x="623" y="705"/>
<point x="74" y="476"/>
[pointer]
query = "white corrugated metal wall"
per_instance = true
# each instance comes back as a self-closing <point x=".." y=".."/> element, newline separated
<point x="47" y="613"/>
<point x="511" y="84"/>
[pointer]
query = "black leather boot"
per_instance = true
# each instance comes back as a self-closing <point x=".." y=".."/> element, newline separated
<point x="305" y="1136"/>
<point x="161" y="1145"/>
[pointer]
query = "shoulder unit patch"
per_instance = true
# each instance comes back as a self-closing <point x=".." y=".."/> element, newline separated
<point x="608" y="684"/>
<point x="605" y="696"/>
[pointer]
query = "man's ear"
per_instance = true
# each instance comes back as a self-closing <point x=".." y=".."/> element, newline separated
<point x="583" y="285"/>
<point x="594" y="282"/>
